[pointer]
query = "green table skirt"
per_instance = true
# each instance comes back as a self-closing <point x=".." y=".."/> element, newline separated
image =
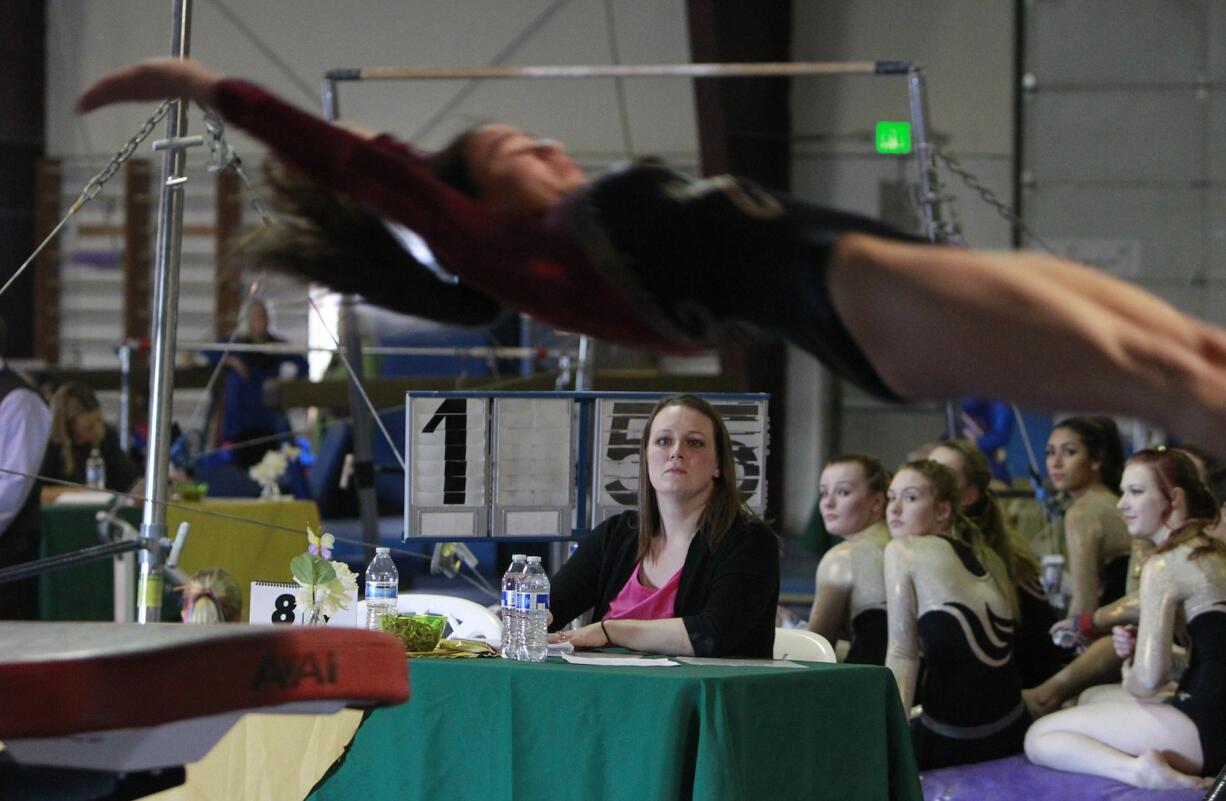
<point x="493" y="729"/>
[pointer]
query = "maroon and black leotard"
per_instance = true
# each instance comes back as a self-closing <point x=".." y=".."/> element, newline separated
<point x="645" y="257"/>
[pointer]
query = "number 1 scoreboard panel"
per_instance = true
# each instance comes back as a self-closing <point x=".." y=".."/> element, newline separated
<point x="545" y="465"/>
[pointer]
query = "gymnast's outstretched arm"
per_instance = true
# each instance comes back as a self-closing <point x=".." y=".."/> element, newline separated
<point x="939" y="321"/>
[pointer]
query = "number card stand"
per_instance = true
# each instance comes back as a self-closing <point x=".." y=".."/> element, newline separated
<point x="620" y="423"/>
<point x="556" y="463"/>
<point x="274" y="602"/>
<point x="534" y="460"/>
<point x="447" y="467"/>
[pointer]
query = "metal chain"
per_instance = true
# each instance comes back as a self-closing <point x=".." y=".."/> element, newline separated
<point x="988" y="196"/>
<point x="96" y="183"/>
<point x="93" y="187"/>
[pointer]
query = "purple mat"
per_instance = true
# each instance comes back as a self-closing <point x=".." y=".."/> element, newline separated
<point x="1016" y="779"/>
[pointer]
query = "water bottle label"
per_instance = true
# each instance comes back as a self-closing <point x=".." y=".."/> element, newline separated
<point x="508" y="599"/>
<point x="528" y="601"/>
<point x="379" y="591"/>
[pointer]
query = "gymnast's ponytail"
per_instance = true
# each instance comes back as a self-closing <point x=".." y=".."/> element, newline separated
<point x="212" y="596"/>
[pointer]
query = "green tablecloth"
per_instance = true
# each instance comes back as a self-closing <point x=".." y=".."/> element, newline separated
<point x="490" y="730"/>
<point x="83" y="592"/>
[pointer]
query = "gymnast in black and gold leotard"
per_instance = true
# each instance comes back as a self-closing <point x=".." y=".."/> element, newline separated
<point x="1140" y="741"/>
<point x="950" y="598"/>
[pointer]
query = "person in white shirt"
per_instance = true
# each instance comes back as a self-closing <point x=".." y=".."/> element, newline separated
<point x="25" y="424"/>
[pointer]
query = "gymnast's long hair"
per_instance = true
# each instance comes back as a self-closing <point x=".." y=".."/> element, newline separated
<point x="323" y="236"/>
<point x="725" y="508"/>
<point x="944" y="487"/>
<point x="985" y="513"/>
<point x="69" y="402"/>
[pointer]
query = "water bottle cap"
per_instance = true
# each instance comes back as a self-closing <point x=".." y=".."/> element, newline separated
<point x="518" y="557"/>
<point x="534" y="560"/>
<point x="383" y="550"/>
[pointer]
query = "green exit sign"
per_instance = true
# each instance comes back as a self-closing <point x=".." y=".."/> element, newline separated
<point x="893" y="137"/>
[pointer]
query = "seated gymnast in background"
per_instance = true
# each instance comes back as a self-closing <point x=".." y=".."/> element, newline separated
<point x="950" y="599"/>
<point x="212" y="596"/>
<point x="1099" y="664"/>
<point x="651" y="258"/>
<point x="1037" y="656"/>
<point x="1085" y="460"/>
<point x="693" y="572"/>
<point x="849" y="589"/>
<point x="1140" y="741"/>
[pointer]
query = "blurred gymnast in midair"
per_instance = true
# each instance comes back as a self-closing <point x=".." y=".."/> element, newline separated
<point x="651" y="258"/>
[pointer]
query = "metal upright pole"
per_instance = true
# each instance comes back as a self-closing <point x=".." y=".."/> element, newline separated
<point x="363" y="460"/>
<point x="165" y="322"/>
<point x="930" y="209"/>
<point x="125" y="394"/>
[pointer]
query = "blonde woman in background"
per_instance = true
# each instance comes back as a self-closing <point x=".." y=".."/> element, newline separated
<point x="849" y="589"/>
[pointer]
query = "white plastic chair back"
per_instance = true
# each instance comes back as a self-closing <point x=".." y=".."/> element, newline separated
<point x="802" y="644"/>
<point x="467" y="618"/>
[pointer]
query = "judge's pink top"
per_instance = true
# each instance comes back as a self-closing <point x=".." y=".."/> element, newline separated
<point x="636" y="602"/>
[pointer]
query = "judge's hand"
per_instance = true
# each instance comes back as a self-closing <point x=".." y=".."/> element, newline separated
<point x="156" y="79"/>
<point x="590" y="636"/>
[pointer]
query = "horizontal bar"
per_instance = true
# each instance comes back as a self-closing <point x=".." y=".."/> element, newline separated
<point x="474" y="352"/>
<point x="736" y="70"/>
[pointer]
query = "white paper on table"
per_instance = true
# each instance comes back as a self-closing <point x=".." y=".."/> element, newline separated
<point x="561" y="647"/>
<point x="84" y="498"/>
<point x="711" y="660"/>
<point x="628" y="660"/>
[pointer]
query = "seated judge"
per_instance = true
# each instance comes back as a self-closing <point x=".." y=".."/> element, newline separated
<point x="693" y="572"/>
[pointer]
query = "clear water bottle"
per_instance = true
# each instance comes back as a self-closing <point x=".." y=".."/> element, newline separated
<point x="382" y="588"/>
<point x="534" y="605"/>
<point x="512" y="631"/>
<point x="95" y="470"/>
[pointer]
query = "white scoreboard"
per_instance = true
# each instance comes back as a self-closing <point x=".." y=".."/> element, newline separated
<point x="545" y="465"/>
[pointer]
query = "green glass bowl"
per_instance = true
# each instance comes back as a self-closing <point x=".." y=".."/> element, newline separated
<point x="419" y="633"/>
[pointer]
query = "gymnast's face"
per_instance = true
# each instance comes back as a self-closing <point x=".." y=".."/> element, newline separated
<point x="913" y="509"/>
<point x="518" y="173"/>
<point x="1069" y="465"/>
<point x="848" y="504"/>
<point x="1146" y="509"/>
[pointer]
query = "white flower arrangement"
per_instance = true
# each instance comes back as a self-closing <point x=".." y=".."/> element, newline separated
<point x="324" y="586"/>
<point x="269" y="470"/>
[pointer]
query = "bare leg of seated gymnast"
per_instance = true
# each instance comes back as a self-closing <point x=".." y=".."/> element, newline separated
<point x="1145" y="745"/>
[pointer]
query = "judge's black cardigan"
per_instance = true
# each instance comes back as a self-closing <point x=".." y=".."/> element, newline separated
<point x="726" y="598"/>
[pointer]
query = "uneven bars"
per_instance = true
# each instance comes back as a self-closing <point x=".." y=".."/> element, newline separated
<point x="736" y="70"/>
